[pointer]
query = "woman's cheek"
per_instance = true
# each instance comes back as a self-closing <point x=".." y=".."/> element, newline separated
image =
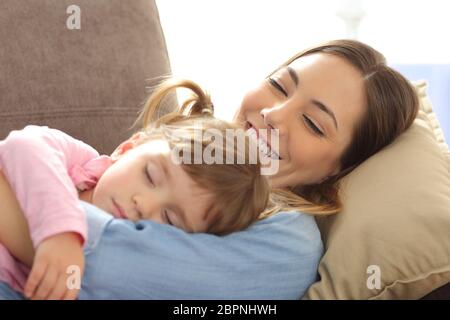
<point x="297" y="153"/>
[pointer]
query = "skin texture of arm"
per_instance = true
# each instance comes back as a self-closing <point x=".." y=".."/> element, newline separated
<point x="13" y="223"/>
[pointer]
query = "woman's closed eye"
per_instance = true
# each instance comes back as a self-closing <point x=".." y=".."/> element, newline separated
<point x="313" y="126"/>
<point x="277" y="86"/>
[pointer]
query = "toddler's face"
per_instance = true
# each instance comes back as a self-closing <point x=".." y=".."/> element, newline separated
<point x="144" y="183"/>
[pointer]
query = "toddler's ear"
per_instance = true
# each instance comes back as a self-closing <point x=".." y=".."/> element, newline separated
<point x="125" y="146"/>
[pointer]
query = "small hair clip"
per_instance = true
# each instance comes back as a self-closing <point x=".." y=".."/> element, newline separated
<point x="208" y="109"/>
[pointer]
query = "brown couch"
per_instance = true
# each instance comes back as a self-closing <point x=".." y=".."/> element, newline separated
<point x="90" y="82"/>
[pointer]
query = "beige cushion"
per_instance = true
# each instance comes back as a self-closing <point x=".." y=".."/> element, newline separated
<point x="396" y="216"/>
<point x="90" y="82"/>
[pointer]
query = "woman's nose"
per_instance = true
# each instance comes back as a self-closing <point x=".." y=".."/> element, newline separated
<point x="275" y="118"/>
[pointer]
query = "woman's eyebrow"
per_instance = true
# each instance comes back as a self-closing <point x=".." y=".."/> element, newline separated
<point x="325" y="109"/>
<point x="293" y="75"/>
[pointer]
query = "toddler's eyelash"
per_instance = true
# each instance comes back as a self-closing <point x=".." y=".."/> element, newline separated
<point x="148" y="175"/>
<point x="167" y="217"/>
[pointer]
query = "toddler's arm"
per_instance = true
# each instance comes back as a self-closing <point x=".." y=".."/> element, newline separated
<point x="15" y="236"/>
<point x="14" y="233"/>
<point x="37" y="161"/>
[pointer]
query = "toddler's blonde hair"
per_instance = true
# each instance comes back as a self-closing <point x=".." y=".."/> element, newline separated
<point x="240" y="193"/>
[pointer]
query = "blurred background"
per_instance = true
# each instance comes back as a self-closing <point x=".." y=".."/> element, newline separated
<point x="229" y="46"/>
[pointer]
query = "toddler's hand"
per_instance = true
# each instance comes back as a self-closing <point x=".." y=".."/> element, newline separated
<point x="48" y="276"/>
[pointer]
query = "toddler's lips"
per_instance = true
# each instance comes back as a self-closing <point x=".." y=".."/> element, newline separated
<point x="120" y="213"/>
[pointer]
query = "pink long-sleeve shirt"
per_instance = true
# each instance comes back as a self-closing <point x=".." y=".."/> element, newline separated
<point x="46" y="168"/>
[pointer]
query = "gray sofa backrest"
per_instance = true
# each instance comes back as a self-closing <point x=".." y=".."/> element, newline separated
<point x="89" y="82"/>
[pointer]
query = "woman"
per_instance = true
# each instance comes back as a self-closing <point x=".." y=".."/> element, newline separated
<point x="334" y="106"/>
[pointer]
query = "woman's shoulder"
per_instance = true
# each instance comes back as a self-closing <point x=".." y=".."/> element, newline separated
<point x="286" y="217"/>
<point x="291" y="229"/>
<point x="291" y="221"/>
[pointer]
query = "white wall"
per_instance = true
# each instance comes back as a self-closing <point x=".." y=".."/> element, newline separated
<point x="408" y="31"/>
<point x="229" y="45"/>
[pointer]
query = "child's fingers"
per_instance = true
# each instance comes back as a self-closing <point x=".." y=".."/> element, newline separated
<point x="59" y="289"/>
<point x="47" y="284"/>
<point x="34" y="279"/>
<point x="71" y="294"/>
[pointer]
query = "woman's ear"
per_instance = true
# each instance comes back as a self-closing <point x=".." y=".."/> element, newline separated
<point x="126" y="146"/>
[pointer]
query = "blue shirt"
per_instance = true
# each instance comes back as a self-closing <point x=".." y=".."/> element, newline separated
<point x="275" y="258"/>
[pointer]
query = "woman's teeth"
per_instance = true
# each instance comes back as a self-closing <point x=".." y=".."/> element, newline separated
<point x="263" y="147"/>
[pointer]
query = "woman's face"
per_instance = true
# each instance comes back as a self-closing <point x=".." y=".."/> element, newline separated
<point x="319" y="90"/>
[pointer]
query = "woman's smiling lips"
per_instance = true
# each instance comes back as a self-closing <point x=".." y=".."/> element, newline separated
<point x="249" y="125"/>
<point x="119" y="211"/>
